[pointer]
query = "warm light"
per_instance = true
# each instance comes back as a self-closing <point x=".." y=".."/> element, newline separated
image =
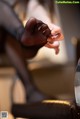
<point x="56" y="101"/>
<point x="74" y="40"/>
<point x="24" y="22"/>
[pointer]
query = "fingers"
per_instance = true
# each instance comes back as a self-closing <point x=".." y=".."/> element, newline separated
<point x="57" y="36"/>
<point x="56" y="50"/>
<point x="54" y="45"/>
<point x="56" y="33"/>
<point x="53" y="40"/>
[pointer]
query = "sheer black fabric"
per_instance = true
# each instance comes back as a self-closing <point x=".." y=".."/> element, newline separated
<point x="16" y="56"/>
<point x="12" y="26"/>
<point x="9" y="20"/>
<point x="10" y="2"/>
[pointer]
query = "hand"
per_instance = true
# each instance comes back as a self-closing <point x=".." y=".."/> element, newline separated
<point x="56" y="36"/>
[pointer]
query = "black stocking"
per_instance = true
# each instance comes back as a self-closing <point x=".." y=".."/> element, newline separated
<point x="14" y="51"/>
<point x="9" y="20"/>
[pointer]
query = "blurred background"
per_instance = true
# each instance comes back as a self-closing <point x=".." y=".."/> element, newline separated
<point x="52" y="74"/>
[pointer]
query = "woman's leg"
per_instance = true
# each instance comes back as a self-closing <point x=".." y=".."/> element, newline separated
<point x="16" y="56"/>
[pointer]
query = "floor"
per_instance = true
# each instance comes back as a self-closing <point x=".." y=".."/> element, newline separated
<point x="52" y="80"/>
<point x="55" y="80"/>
